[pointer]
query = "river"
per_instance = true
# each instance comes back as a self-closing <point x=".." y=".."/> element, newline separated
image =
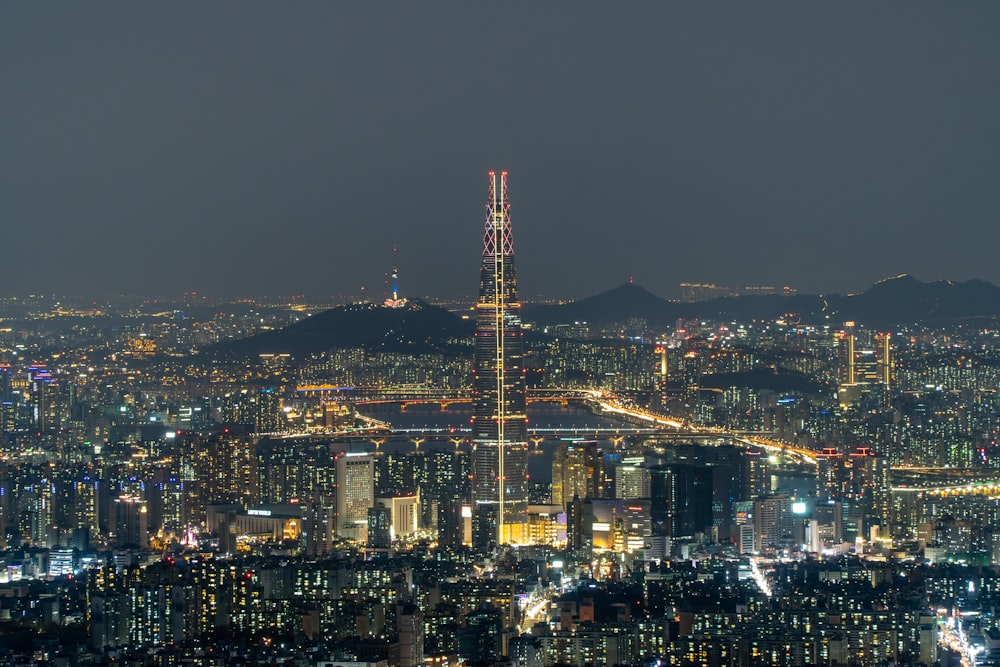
<point x="458" y="415"/>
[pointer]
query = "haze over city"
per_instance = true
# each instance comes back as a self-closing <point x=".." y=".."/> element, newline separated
<point x="257" y="149"/>
<point x="274" y="390"/>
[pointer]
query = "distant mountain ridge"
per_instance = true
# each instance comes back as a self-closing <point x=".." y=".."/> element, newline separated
<point x="624" y="302"/>
<point x="416" y="327"/>
<point x="420" y="328"/>
<point x="899" y="300"/>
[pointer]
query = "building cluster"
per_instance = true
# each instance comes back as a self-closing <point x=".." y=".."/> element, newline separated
<point x="520" y="607"/>
<point x="695" y="292"/>
<point x="718" y="493"/>
<point x="154" y="508"/>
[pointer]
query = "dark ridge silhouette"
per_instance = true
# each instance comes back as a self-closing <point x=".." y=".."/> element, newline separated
<point x="420" y="328"/>
<point x="905" y="300"/>
<point x="628" y="301"/>
<point x="901" y="300"/>
<point x="417" y="328"/>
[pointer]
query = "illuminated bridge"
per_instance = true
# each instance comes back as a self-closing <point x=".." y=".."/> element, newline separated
<point x="460" y="434"/>
<point x="417" y="394"/>
<point x="637" y="422"/>
<point x="553" y="431"/>
<point x="946" y="481"/>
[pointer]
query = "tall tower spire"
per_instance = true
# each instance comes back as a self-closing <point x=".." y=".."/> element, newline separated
<point x="393" y="301"/>
<point x="395" y="275"/>
<point x="499" y="420"/>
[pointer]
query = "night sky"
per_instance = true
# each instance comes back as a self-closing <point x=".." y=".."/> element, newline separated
<point x="243" y="149"/>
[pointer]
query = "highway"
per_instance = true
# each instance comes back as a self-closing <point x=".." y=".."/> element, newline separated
<point x="952" y="636"/>
<point x="607" y="403"/>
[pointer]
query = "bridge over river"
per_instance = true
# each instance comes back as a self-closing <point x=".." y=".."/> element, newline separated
<point x="620" y="420"/>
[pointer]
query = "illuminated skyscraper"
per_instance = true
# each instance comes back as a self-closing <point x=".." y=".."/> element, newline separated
<point x="865" y="363"/>
<point x="355" y="494"/>
<point x="499" y="422"/>
<point x="884" y="341"/>
<point x="576" y="471"/>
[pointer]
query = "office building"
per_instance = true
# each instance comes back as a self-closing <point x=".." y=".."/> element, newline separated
<point x="576" y="471"/>
<point x="499" y="420"/>
<point x="355" y="494"/>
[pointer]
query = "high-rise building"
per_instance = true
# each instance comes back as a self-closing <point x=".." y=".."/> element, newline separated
<point x="304" y="472"/>
<point x="379" y="523"/>
<point x="868" y="488"/>
<point x="884" y="341"/>
<point x="410" y="631"/>
<point x="499" y="420"/>
<point x="131" y="522"/>
<point x="681" y="499"/>
<point x="355" y="494"/>
<point x="404" y="514"/>
<point x="771" y="518"/>
<point x="865" y="363"/>
<point x="631" y="479"/>
<point x="481" y="640"/>
<point x="222" y="467"/>
<point x="576" y="471"/>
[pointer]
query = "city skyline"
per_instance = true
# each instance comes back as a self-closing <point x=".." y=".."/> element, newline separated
<point x="335" y="471"/>
<point x="377" y="496"/>
<point x="162" y="151"/>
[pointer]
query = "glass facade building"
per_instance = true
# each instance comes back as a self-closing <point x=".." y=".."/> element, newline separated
<point x="499" y="420"/>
